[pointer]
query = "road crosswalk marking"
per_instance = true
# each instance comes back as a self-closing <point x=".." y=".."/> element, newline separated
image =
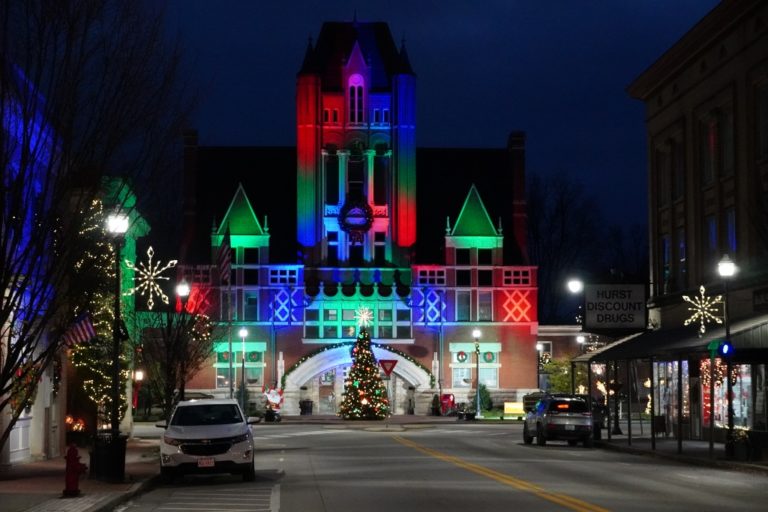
<point x="457" y="432"/>
<point x="256" y="499"/>
<point x="283" y="435"/>
<point x="420" y="432"/>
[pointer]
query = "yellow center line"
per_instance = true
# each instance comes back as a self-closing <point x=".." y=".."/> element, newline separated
<point x="561" y="499"/>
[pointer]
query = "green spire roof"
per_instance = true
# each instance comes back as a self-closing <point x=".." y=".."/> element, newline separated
<point x="473" y="219"/>
<point x="240" y="216"/>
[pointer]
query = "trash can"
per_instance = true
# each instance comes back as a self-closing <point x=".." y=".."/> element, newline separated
<point x="107" y="461"/>
<point x="305" y="407"/>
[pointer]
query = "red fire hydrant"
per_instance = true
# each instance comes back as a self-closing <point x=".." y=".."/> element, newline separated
<point x="75" y="468"/>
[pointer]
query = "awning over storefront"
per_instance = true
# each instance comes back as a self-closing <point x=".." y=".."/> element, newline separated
<point x="748" y="337"/>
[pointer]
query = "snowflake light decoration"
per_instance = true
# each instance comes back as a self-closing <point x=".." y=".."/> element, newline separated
<point x="364" y="316"/>
<point x="147" y="277"/>
<point x="703" y="309"/>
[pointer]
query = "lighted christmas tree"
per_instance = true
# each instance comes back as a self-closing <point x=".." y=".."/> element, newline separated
<point x="365" y="397"/>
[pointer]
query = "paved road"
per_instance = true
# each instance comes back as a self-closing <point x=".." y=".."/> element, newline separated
<point x="450" y="468"/>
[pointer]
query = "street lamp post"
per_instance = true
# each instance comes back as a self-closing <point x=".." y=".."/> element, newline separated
<point x="182" y="290"/>
<point x="117" y="225"/>
<point x="727" y="268"/>
<point x="581" y="340"/>
<point x="576" y="286"/>
<point x="476" y="335"/>
<point x="539" y="348"/>
<point x="243" y="334"/>
<point x="182" y="336"/>
<point x="712" y="351"/>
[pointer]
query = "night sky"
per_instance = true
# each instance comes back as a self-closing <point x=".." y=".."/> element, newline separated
<point x="555" y="69"/>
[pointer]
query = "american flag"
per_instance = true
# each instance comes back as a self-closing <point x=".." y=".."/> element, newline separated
<point x="80" y="331"/>
<point x="224" y="258"/>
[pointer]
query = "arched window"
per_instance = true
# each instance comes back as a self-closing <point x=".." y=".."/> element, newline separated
<point x="356" y="110"/>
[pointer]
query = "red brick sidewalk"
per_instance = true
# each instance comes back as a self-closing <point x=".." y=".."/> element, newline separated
<point x="37" y="486"/>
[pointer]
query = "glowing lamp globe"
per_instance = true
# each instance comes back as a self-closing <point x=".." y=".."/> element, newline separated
<point x="726" y="267"/>
<point x="117" y="223"/>
<point x="575" y="285"/>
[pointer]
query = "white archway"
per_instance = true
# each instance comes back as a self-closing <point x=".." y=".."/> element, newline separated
<point x="328" y="359"/>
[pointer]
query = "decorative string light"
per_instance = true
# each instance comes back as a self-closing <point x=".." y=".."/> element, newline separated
<point x="703" y="309"/>
<point x="364" y="316"/>
<point x="147" y="277"/>
<point x="721" y="370"/>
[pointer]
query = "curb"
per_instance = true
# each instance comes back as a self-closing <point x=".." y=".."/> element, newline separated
<point x="110" y="503"/>
<point x="687" y="459"/>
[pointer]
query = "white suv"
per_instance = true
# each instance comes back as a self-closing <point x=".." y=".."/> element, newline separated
<point x="207" y="436"/>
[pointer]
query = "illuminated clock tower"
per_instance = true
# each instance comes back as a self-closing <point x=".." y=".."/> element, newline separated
<point x="444" y="324"/>
<point x="356" y="168"/>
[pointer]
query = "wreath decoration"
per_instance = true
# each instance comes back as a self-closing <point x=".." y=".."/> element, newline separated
<point x="356" y="218"/>
<point x="24" y="386"/>
<point x="461" y="356"/>
<point x="489" y="357"/>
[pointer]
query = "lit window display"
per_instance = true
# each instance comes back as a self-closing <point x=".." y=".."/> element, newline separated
<point x="695" y="395"/>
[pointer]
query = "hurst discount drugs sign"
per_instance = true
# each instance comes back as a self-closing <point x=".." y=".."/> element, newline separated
<point x="614" y="307"/>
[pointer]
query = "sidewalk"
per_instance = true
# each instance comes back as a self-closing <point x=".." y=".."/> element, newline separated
<point x="692" y="451"/>
<point x="37" y="486"/>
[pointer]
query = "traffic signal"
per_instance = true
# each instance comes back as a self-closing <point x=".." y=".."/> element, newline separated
<point x="725" y="348"/>
<point x="720" y="348"/>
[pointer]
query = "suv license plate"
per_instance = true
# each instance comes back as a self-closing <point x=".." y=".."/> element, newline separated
<point x="205" y="462"/>
<point x="570" y="427"/>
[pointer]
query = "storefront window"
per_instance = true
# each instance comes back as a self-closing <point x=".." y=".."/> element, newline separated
<point x="489" y="377"/>
<point x="666" y="395"/>
<point x="462" y="377"/>
<point x="742" y="391"/>
<point x="222" y="377"/>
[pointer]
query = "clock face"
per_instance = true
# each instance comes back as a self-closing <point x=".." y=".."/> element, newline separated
<point x="356" y="218"/>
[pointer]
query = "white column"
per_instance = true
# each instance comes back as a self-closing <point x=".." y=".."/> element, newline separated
<point x="126" y="423"/>
<point x="343" y="161"/>
<point x="323" y="182"/>
<point x="280" y="367"/>
<point x="343" y="172"/>
<point x="369" y="154"/>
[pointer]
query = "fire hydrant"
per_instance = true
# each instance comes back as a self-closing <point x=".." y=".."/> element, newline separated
<point x="74" y="469"/>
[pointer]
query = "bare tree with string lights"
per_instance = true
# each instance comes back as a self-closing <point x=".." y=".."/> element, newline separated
<point x="88" y="91"/>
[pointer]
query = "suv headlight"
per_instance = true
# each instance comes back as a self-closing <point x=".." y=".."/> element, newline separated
<point x="171" y="441"/>
<point x="242" y="438"/>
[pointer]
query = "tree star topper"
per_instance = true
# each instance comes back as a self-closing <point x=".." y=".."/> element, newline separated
<point x="703" y="309"/>
<point x="364" y="316"/>
<point x="147" y="277"/>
